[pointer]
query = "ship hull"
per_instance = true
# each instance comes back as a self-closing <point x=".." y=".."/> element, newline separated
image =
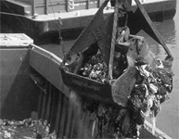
<point x="46" y="28"/>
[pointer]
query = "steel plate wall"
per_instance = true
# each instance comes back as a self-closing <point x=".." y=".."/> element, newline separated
<point x="64" y="114"/>
<point x="18" y="93"/>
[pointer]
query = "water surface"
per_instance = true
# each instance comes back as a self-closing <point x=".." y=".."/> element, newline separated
<point x="168" y="117"/>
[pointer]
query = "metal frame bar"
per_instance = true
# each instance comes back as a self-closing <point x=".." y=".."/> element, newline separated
<point x="46" y="6"/>
<point x="33" y="7"/>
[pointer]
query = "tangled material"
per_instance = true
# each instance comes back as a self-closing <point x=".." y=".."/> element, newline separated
<point x="150" y="91"/>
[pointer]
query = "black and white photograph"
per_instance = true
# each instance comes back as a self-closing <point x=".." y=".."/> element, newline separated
<point x="89" y="69"/>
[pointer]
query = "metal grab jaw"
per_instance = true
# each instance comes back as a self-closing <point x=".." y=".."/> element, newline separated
<point x="102" y="33"/>
<point x="139" y="20"/>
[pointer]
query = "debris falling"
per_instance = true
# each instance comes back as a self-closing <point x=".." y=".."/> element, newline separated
<point x="151" y="89"/>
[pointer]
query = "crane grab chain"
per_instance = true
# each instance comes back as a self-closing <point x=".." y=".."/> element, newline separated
<point x="119" y="78"/>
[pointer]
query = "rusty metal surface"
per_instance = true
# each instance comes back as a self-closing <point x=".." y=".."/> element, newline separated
<point x="66" y="116"/>
<point x="47" y="64"/>
<point x="93" y="33"/>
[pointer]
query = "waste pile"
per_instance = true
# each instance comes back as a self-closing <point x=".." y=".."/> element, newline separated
<point x="95" y="68"/>
<point x="136" y="86"/>
<point x="26" y="129"/>
<point x="150" y="91"/>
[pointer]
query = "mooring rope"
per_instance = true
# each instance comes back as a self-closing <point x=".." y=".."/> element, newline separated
<point x="12" y="14"/>
<point x="55" y="15"/>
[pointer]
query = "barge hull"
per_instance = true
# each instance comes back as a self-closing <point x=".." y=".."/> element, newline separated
<point x="45" y="28"/>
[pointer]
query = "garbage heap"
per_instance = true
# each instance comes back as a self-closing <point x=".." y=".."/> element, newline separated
<point x="26" y="129"/>
<point x="95" y="68"/>
<point x="151" y="89"/>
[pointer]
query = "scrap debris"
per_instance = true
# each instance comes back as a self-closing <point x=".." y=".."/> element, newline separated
<point x="95" y="68"/>
<point x="151" y="89"/>
<point x="26" y="129"/>
<point x="135" y="86"/>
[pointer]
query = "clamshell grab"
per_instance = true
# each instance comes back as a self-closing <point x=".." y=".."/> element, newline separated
<point x="106" y="56"/>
